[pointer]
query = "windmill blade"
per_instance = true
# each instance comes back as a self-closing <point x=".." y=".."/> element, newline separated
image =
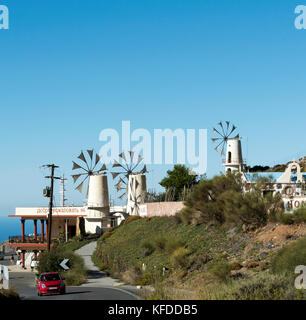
<point x="90" y="152"/>
<point x="82" y="157"/>
<point x="77" y="176"/>
<point x="233" y="129"/>
<point x="144" y="169"/>
<point x="218" y="146"/>
<point x="122" y="181"/>
<point x="80" y="186"/>
<point x="227" y="126"/>
<point x="103" y="168"/>
<point x="140" y="158"/>
<point x="122" y="196"/>
<point x="122" y="156"/>
<point x="221" y="125"/>
<point x="77" y="166"/>
<point x="216" y="139"/>
<point x="215" y="130"/>
<point x="119" y="186"/>
<point x="97" y="161"/>
<point x="131" y="155"/>
<point x="117" y="164"/>
<point x="115" y="174"/>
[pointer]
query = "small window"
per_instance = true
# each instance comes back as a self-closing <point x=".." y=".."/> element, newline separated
<point x="229" y="157"/>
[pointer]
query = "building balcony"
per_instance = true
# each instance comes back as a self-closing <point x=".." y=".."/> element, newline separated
<point x="25" y="239"/>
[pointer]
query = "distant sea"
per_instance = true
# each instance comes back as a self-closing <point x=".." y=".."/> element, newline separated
<point x="12" y="227"/>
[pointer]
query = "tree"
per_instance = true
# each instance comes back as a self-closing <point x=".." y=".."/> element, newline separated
<point x="222" y="199"/>
<point x="177" y="181"/>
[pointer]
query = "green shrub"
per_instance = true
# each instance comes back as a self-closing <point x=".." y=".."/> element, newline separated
<point x="160" y="243"/>
<point x="262" y="286"/>
<point x="74" y="277"/>
<point x="285" y="218"/>
<point x="179" y="257"/>
<point x="289" y="257"/>
<point x="50" y="262"/>
<point x="185" y="215"/>
<point x="222" y="199"/>
<point x="172" y="244"/>
<point x="220" y="268"/>
<point x="148" y="248"/>
<point x="299" y="215"/>
<point x="131" y="219"/>
<point x="145" y="279"/>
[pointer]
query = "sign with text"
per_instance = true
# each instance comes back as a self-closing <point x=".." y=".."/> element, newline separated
<point x="56" y="211"/>
<point x="292" y="204"/>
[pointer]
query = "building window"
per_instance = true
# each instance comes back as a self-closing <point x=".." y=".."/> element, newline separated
<point x="229" y="157"/>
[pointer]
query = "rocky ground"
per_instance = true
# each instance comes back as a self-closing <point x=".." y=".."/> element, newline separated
<point x="255" y="253"/>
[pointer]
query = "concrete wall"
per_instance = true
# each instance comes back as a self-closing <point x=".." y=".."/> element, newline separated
<point x="161" y="209"/>
<point x="93" y="225"/>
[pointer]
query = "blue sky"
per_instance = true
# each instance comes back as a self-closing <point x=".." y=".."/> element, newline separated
<point x="70" y="69"/>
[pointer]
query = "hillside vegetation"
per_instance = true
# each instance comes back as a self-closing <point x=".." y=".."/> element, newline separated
<point x="202" y="261"/>
<point x="224" y="245"/>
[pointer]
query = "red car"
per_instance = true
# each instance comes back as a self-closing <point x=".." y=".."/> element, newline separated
<point x="50" y="283"/>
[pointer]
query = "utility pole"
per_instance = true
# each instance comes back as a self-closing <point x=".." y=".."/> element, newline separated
<point x="62" y="190"/>
<point x="52" y="166"/>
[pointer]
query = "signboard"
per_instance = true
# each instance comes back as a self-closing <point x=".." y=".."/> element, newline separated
<point x="292" y="204"/>
<point x="55" y="211"/>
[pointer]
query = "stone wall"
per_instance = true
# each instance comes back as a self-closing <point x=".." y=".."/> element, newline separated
<point x="160" y="209"/>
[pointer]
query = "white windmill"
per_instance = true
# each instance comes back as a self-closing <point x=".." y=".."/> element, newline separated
<point x="132" y="181"/>
<point x="97" y="190"/>
<point x="233" y="155"/>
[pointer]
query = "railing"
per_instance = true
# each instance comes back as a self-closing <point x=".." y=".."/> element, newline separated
<point x="234" y="161"/>
<point x="25" y="239"/>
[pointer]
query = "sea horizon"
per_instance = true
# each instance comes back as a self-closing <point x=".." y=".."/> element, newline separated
<point x="10" y="226"/>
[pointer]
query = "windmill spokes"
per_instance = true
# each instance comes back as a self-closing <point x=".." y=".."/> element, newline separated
<point x="224" y="135"/>
<point x="125" y="169"/>
<point x="91" y="161"/>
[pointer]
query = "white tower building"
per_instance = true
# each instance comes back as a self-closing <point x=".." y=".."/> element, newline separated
<point x="233" y="160"/>
<point x="137" y="189"/>
<point x="92" y="170"/>
<point x="98" y="203"/>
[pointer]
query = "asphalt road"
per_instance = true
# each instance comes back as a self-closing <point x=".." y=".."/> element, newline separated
<point x="98" y="286"/>
<point x="24" y="284"/>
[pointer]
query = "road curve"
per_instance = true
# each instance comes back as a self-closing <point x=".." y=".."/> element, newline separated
<point x="97" y="287"/>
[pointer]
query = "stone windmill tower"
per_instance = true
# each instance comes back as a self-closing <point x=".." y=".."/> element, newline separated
<point x="230" y="147"/>
<point x="94" y="172"/>
<point x="132" y="181"/>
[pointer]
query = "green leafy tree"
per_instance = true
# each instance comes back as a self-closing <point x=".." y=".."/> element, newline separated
<point x="177" y="181"/>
